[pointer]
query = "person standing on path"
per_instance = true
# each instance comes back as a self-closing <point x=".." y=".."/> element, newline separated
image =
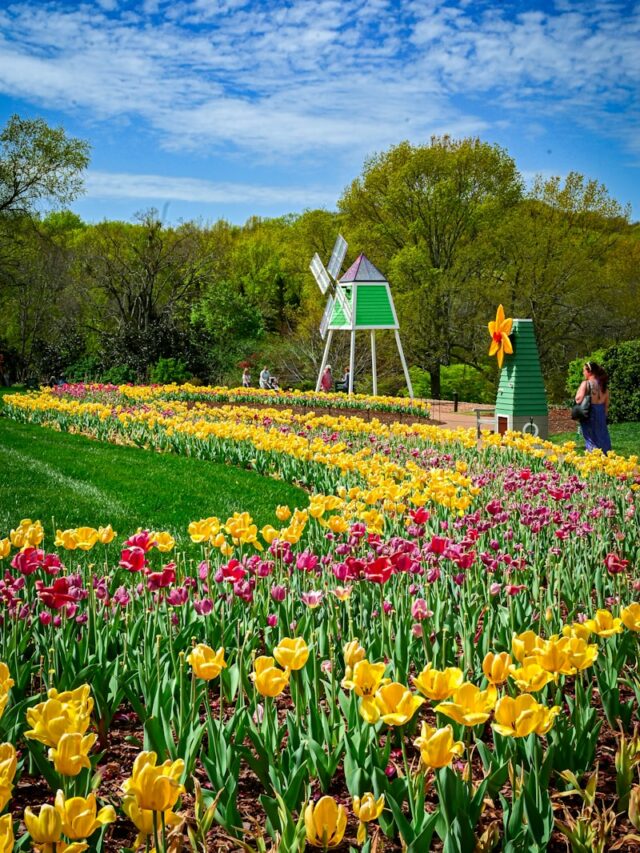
<point x="594" y="427"/>
<point x="326" y="383"/>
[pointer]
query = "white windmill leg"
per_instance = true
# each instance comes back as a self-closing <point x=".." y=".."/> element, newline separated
<point x="352" y="360"/>
<point x="325" y="357"/>
<point x="374" y="374"/>
<point x="404" y="364"/>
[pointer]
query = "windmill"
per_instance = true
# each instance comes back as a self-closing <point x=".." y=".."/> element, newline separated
<point x="360" y="300"/>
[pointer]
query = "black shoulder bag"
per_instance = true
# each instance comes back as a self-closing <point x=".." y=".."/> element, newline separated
<point x="580" y="411"/>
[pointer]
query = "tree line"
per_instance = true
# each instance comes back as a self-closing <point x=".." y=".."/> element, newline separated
<point x="451" y="224"/>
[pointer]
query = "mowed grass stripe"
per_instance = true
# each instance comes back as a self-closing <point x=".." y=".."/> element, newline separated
<point x="10" y="456"/>
<point x="70" y="478"/>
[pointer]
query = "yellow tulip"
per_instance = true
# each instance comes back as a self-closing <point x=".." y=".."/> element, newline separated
<point x="366" y="678"/>
<point x="86" y="537"/>
<point x="66" y="539"/>
<point x="577" y="629"/>
<point x="206" y="663"/>
<point x="8" y="764"/>
<point x="337" y="524"/>
<point x="269" y="533"/>
<point x="106" y="534"/>
<point x="581" y="654"/>
<point x="27" y="533"/>
<point x="155" y="787"/>
<point x="268" y="679"/>
<point x="46" y="828"/>
<point x="62" y="713"/>
<point x="71" y="754"/>
<point x="521" y="716"/>
<point x="7" y="839"/>
<point x="291" y="653"/>
<point x="142" y="819"/>
<point x="283" y="513"/>
<point x="496" y="667"/>
<point x="554" y="656"/>
<point x="6" y="683"/>
<point x="437" y="746"/>
<point x="630" y="617"/>
<point x="163" y="541"/>
<point x="353" y="653"/>
<point x="604" y="624"/>
<point x="438" y="684"/>
<point x="342" y="593"/>
<point x="531" y="677"/>
<point x="325" y="823"/>
<point x="80" y="816"/>
<point x="500" y="329"/>
<point x="394" y="704"/>
<point x="367" y="809"/>
<point x="525" y="644"/>
<point x="5" y="548"/>
<point x="470" y="706"/>
<point x="200" y="531"/>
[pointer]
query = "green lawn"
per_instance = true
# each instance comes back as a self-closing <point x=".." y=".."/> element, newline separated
<point x="625" y="438"/>
<point x="75" y="481"/>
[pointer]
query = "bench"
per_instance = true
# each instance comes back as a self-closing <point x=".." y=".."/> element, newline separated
<point x="485" y="419"/>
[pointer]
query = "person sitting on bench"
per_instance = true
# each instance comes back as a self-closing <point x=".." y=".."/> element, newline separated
<point x="343" y="384"/>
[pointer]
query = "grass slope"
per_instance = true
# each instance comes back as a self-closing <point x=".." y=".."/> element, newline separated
<point x="625" y="438"/>
<point x="46" y="474"/>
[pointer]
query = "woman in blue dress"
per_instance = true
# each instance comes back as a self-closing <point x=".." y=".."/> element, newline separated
<point x="594" y="428"/>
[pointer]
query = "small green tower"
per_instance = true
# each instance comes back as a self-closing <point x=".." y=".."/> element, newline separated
<point x="521" y="403"/>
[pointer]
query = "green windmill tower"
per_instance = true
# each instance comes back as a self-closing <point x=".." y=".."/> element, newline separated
<point x="360" y="300"/>
<point x="521" y="402"/>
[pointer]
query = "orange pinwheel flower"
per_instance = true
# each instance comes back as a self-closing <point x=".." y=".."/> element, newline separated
<point x="500" y="329"/>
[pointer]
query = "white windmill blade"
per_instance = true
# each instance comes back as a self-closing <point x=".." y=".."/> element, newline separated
<point x="319" y="273"/>
<point x="344" y="303"/>
<point x="337" y="256"/>
<point x="326" y="317"/>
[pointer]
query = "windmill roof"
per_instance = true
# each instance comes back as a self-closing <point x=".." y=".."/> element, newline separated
<point x="362" y="270"/>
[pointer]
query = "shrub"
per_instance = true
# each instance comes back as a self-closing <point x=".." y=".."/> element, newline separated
<point x="574" y="372"/>
<point x="119" y="374"/>
<point x="622" y="363"/>
<point x="85" y="368"/>
<point x="168" y="370"/>
<point x="469" y="383"/>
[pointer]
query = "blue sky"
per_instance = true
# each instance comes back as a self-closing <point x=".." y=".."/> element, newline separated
<point x="226" y="108"/>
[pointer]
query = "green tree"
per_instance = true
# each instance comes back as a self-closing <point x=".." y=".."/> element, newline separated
<point x="38" y="164"/>
<point x="417" y="211"/>
<point x="555" y="253"/>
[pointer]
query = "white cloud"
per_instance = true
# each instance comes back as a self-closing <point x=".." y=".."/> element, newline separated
<point x="161" y="188"/>
<point x="323" y="78"/>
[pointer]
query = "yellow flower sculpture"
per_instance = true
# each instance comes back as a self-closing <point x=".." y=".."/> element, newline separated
<point x="500" y="329"/>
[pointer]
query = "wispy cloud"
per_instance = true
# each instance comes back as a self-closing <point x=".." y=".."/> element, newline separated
<point x="195" y="190"/>
<point x="325" y="78"/>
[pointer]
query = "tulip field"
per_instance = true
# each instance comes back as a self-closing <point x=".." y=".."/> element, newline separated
<point x="436" y="650"/>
